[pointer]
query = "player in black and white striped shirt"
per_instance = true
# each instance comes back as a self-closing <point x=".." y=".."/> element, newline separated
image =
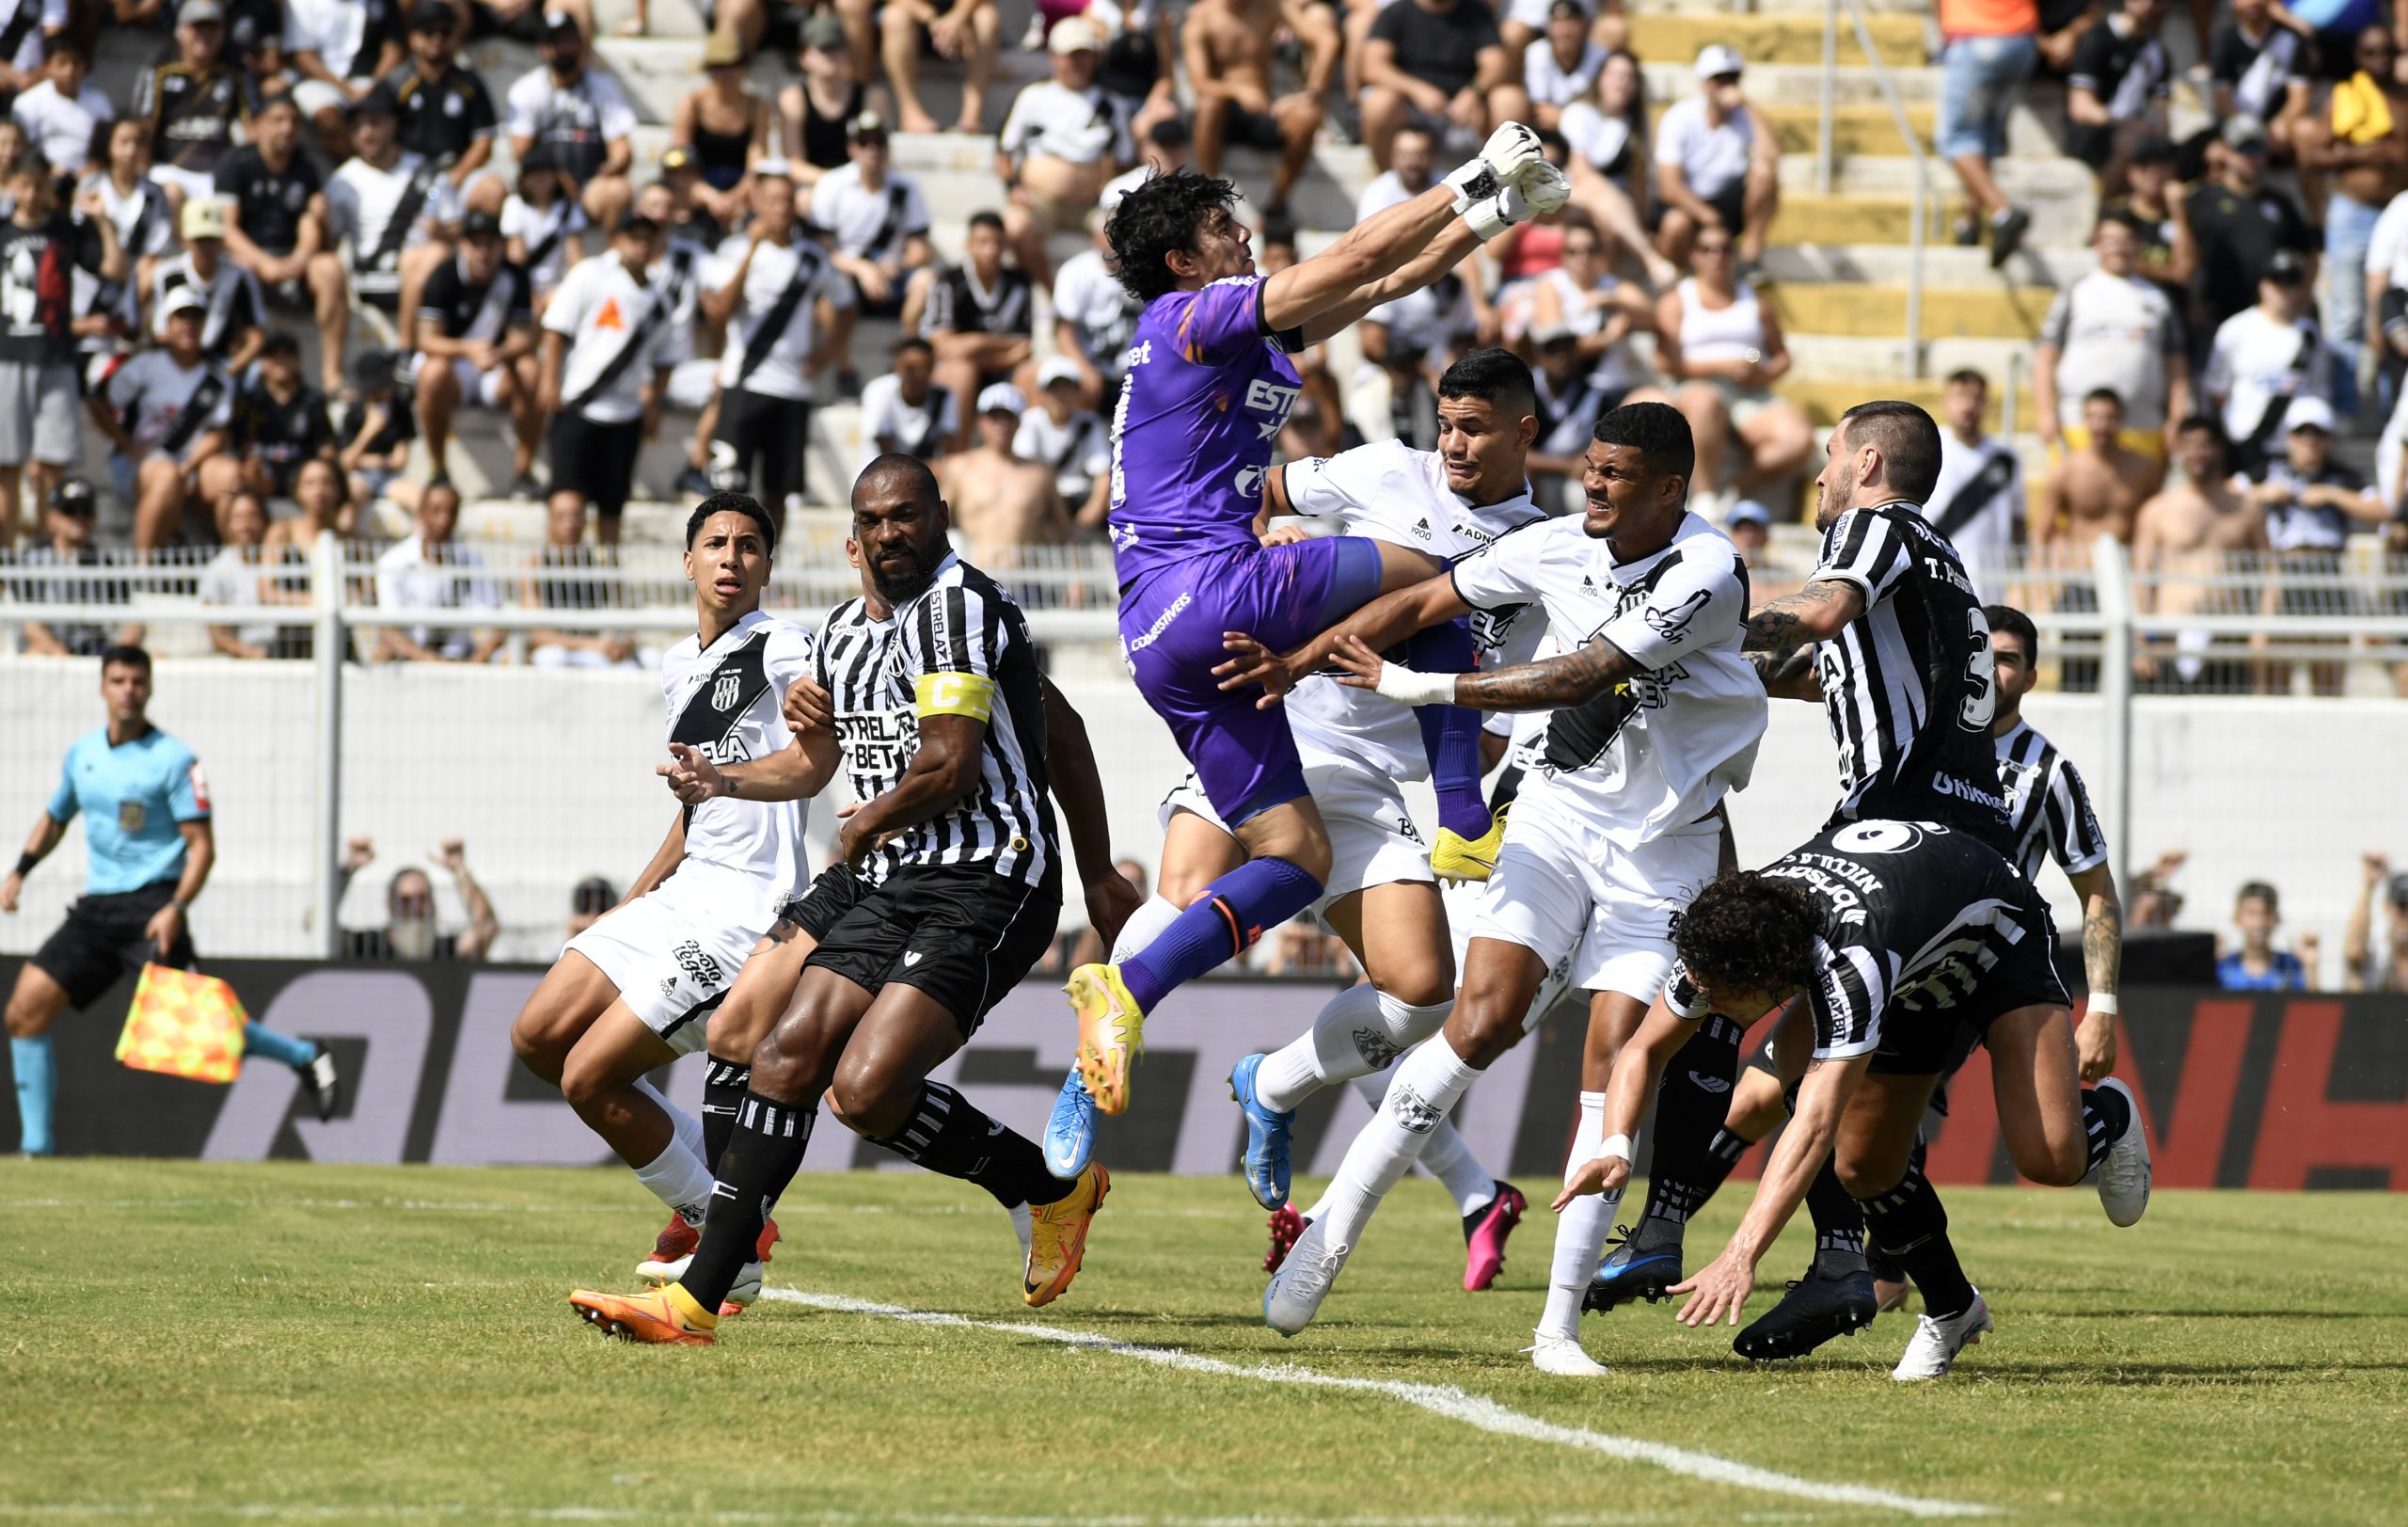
<point x="1900" y="936"/>
<point x="943" y="890"/>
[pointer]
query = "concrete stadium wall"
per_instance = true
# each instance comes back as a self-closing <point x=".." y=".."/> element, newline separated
<point x="548" y="777"/>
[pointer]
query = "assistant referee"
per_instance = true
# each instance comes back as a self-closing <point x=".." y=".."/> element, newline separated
<point x="149" y="846"/>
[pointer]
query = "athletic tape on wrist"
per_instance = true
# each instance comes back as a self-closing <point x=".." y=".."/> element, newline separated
<point x="1616" y="1145"/>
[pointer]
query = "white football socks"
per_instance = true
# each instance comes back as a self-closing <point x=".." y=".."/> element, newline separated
<point x="1423" y="1091"/>
<point x="1356" y="1033"/>
<point x="678" y="1178"/>
<point x="1447" y="1156"/>
<point x="1580" y="1230"/>
<point x="1143" y="925"/>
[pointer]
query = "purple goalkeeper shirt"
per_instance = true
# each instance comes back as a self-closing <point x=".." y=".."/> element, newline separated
<point x="1207" y="389"/>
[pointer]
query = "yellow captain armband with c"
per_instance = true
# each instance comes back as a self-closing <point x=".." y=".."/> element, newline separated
<point x="952" y="694"/>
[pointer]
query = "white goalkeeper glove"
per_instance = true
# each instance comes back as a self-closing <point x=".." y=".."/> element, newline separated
<point x="1504" y="160"/>
<point x="1544" y="189"/>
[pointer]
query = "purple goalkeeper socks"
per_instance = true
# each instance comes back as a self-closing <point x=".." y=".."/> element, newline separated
<point x="1222" y="924"/>
<point x="1450" y="734"/>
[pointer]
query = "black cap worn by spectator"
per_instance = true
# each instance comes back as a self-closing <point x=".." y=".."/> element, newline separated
<point x="541" y="156"/>
<point x="2286" y="268"/>
<point x="636" y="222"/>
<point x="371" y="370"/>
<point x="378" y="101"/>
<point x="866" y="127"/>
<point x="558" y="21"/>
<point x="74" y="496"/>
<point x="433" y="16"/>
<point x="480" y="223"/>
<point x="1171" y="132"/>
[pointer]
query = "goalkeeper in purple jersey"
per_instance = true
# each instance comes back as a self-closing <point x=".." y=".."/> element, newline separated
<point x="1210" y="384"/>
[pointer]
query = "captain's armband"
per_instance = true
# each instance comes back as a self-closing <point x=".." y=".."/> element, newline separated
<point x="954" y="694"/>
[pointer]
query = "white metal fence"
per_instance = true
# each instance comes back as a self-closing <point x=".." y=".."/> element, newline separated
<point x="546" y="773"/>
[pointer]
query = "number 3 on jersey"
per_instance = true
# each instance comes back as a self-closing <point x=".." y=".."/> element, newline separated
<point x="1981" y="675"/>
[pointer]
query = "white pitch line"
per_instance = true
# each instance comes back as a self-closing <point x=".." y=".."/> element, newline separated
<point x="299" y="1511"/>
<point x="1438" y="1399"/>
<point x="441" y="1206"/>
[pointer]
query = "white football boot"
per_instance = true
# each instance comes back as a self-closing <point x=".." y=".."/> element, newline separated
<point x="1293" y="1296"/>
<point x="1936" y="1343"/>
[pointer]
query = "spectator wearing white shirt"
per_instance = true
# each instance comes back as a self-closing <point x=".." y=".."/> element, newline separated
<point x="338" y="48"/>
<point x="1411" y="156"/>
<point x="1611" y="160"/>
<point x="1094" y="318"/>
<point x="2262" y="360"/>
<point x="877" y="228"/>
<point x="385" y="207"/>
<point x="236" y="310"/>
<point x="235" y="580"/>
<point x="1583" y="297"/>
<point x="1979" y="497"/>
<point x="1717" y="162"/>
<point x="540" y="224"/>
<point x="108" y="314"/>
<point x="1072" y="442"/>
<point x="780" y="297"/>
<point x="2115" y="329"/>
<point x="1066" y="136"/>
<point x="427" y="570"/>
<point x="611" y="339"/>
<point x="167" y="411"/>
<point x="62" y="114"/>
<point x="906" y="410"/>
<point x="1561" y="67"/>
<point x="582" y="116"/>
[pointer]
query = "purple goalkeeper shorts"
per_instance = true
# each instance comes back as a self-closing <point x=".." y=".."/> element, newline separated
<point x="1171" y="622"/>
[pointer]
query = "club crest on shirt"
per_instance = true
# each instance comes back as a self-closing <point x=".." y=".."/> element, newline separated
<point x="131" y="816"/>
<point x="727" y="692"/>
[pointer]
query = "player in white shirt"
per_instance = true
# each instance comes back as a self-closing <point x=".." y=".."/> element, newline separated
<point x="1978" y="501"/>
<point x="384" y="205"/>
<point x="1358" y="750"/>
<point x="906" y="410"/>
<point x="636" y="990"/>
<point x="61" y="113"/>
<point x="612" y="336"/>
<point x="1656" y="717"/>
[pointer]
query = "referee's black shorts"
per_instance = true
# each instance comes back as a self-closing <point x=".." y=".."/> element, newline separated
<point x="595" y="460"/>
<point x="961" y="932"/>
<point x="102" y="940"/>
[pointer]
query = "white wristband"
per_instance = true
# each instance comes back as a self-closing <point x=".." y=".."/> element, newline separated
<point x="1616" y="1145"/>
<point x="2100" y="1002"/>
<point x="1407" y="687"/>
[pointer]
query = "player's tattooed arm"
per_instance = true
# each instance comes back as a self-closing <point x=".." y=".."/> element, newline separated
<point x="1814" y="613"/>
<point x="2102" y="958"/>
<point x="1544" y="685"/>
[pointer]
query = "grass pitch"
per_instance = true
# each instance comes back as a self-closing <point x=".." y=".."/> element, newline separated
<point x="269" y="1343"/>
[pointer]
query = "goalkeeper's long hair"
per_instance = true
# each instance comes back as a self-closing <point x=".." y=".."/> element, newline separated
<point x="1163" y="214"/>
<point x="1747" y="932"/>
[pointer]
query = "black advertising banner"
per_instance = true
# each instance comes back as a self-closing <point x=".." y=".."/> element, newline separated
<point x="2270" y="1090"/>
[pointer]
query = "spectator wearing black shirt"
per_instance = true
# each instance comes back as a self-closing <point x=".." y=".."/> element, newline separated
<point x="40" y="401"/>
<point x="275" y="229"/>
<point x="410" y="933"/>
<point x="279" y="422"/>
<point x="2236" y="224"/>
<point x="2151" y="207"/>
<point x="2258" y="66"/>
<point x="447" y="113"/>
<point x="194" y="103"/>
<point x="978" y="314"/>
<point x="1441" y="64"/>
<point x="373" y="435"/>
<point x="476" y="337"/>
<point x="2116" y="89"/>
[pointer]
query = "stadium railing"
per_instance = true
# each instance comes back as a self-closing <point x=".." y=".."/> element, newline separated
<point x="548" y="771"/>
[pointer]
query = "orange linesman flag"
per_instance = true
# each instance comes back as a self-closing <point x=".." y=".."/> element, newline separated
<point x="184" y="1024"/>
